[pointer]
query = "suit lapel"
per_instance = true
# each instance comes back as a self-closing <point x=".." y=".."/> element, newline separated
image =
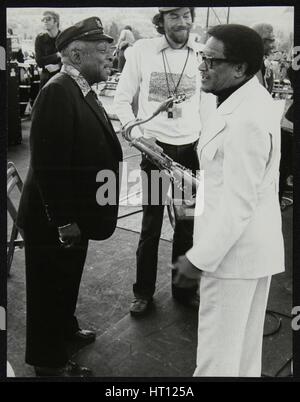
<point x="104" y="119"/>
<point x="96" y="109"/>
<point x="216" y="122"/>
<point x="213" y="126"/>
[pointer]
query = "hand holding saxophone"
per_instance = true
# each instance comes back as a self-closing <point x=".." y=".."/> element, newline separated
<point x="150" y="149"/>
<point x="182" y="177"/>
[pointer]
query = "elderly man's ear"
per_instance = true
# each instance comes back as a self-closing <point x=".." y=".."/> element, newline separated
<point x="76" y="56"/>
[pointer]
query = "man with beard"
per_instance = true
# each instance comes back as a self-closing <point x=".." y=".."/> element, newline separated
<point x="46" y="54"/>
<point x="156" y="69"/>
<point x="71" y="141"/>
<point x="238" y="243"/>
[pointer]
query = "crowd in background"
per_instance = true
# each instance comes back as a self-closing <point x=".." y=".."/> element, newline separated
<point x="278" y="61"/>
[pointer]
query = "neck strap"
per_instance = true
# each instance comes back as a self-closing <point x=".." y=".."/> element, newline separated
<point x="165" y="63"/>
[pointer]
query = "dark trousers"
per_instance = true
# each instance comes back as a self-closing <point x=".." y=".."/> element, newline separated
<point x="147" y="251"/>
<point x="286" y="161"/>
<point x="53" y="277"/>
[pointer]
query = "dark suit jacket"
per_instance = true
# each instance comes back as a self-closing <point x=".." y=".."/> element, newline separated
<point x="71" y="141"/>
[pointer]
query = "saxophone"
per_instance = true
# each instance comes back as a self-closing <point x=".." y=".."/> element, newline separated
<point x="182" y="177"/>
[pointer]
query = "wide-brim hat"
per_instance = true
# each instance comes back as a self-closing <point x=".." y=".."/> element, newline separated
<point x="89" y="29"/>
<point x="167" y="9"/>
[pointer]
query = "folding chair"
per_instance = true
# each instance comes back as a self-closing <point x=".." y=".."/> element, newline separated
<point x="13" y="180"/>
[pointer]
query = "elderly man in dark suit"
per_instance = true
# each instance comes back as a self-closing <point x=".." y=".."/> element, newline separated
<point x="71" y="141"/>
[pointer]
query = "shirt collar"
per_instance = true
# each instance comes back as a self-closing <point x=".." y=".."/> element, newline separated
<point x="223" y="95"/>
<point x="77" y="77"/>
<point x="53" y="37"/>
<point x="191" y="43"/>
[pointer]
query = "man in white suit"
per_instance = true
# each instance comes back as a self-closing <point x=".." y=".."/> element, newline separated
<point x="238" y="242"/>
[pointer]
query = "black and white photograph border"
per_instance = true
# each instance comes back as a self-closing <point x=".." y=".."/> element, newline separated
<point x="163" y="343"/>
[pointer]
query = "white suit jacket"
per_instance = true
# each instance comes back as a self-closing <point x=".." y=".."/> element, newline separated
<point x="238" y="234"/>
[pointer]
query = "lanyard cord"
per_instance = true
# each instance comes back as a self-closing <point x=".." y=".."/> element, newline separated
<point x="176" y="86"/>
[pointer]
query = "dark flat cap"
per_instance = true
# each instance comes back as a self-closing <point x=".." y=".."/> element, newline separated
<point x="90" y="29"/>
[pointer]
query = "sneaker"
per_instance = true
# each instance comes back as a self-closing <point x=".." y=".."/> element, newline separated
<point x="139" y="306"/>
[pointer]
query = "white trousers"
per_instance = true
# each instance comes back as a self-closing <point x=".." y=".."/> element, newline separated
<point x="230" y="328"/>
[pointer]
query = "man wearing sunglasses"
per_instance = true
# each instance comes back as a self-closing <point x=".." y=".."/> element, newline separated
<point x="238" y="243"/>
<point x="47" y="56"/>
